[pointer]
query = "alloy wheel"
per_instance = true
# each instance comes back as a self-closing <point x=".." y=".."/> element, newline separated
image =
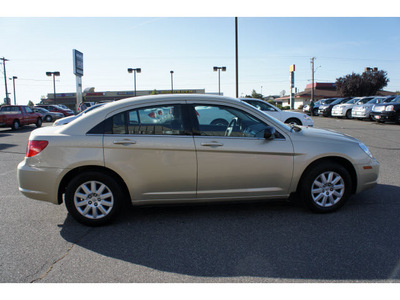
<point x="93" y="200"/>
<point x="327" y="189"/>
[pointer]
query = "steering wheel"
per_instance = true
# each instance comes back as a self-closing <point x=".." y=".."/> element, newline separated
<point x="234" y="122"/>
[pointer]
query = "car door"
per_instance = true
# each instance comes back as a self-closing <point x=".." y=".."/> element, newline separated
<point x="236" y="161"/>
<point x="153" y="152"/>
<point x="30" y="116"/>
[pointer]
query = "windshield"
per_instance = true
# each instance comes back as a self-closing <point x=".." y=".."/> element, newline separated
<point x="397" y="99"/>
<point x="89" y="109"/>
<point x="338" y="101"/>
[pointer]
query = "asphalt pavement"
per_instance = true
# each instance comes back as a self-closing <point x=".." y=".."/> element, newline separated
<point x="272" y="241"/>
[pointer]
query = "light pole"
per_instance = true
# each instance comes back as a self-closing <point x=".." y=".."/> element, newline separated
<point x="13" y="79"/>
<point x="5" y="78"/>
<point x="219" y="77"/>
<point x="172" y="81"/>
<point x="134" y="71"/>
<point x="54" y="74"/>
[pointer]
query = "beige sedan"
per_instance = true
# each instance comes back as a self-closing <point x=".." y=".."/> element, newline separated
<point x="185" y="149"/>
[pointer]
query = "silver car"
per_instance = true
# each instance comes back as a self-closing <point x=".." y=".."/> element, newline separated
<point x="363" y="111"/>
<point x="118" y="153"/>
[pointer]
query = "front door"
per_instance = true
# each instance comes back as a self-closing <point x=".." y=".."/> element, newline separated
<point x="235" y="160"/>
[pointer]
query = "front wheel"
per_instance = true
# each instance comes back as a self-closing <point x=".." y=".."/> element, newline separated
<point x="326" y="187"/>
<point x="93" y="198"/>
<point x="293" y="121"/>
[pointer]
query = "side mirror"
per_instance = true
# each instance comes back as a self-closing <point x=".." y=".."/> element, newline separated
<point x="269" y="133"/>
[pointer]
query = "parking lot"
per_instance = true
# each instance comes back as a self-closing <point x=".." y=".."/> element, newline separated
<point x="258" y="242"/>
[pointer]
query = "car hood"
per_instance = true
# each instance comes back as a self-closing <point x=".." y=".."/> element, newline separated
<point x="326" y="135"/>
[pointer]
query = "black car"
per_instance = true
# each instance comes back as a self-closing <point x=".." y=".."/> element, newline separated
<point x="389" y="111"/>
<point x="326" y="108"/>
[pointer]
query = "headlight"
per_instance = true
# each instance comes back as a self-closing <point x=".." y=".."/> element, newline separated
<point x="365" y="149"/>
<point x="389" y="108"/>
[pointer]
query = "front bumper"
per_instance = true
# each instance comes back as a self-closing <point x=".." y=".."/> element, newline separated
<point x="360" y="114"/>
<point x="367" y="175"/>
<point x="338" y="113"/>
<point x="384" y="115"/>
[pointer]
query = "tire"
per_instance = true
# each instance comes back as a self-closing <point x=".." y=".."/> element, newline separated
<point x="326" y="187"/>
<point x="48" y="118"/>
<point x="93" y="198"/>
<point x="15" y="125"/>
<point x="397" y="119"/>
<point x="348" y="114"/>
<point x="315" y="112"/>
<point x="39" y="122"/>
<point x="220" y="122"/>
<point x="293" y="121"/>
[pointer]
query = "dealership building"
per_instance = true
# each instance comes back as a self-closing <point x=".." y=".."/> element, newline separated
<point x="90" y="95"/>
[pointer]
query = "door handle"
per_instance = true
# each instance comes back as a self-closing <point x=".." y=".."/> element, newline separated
<point x="212" y="144"/>
<point x="124" y="142"/>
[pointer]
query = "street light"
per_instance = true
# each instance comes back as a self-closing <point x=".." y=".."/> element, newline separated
<point x="54" y="74"/>
<point x="134" y="71"/>
<point x="13" y="79"/>
<point x="219" y="77"/>
<point x="172" y="81"/>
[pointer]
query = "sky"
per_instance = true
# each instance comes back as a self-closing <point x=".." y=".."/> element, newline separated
<point x="190" y="45"/>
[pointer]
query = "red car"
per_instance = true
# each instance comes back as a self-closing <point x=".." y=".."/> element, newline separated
<point x="55" y="108"/>
<point x="15" y="116"/>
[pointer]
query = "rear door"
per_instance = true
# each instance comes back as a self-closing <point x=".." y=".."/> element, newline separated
<point x="152" y="150"/>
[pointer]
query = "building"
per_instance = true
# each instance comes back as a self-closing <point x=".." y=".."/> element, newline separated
<point x="321" y="91"/>
<point x="89" y="95"/>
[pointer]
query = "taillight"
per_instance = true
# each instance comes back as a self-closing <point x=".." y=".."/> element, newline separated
<point x="35" y="147"/>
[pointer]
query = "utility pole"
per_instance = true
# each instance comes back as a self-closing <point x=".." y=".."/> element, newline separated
<point x="236" y="57"/>
<point x="312" y="78"/>
<point x="5" y="77"/>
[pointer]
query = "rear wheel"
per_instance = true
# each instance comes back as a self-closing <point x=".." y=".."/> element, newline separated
<point x="326" y="187"/>
<point x="39" y="122"/>
<point x="49" y="118"/>
<point x="348" y="114"/>
<point x="15" y="125"/>
<point x="93" y="198"/>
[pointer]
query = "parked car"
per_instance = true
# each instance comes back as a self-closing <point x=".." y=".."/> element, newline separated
<point x="66" y="120"/>
<point x="85" y="105"/>
<point x="306" y="108"/>
<point x="281" y="115"/>
<point x="47" y="116"/>
<point x="389" y="111"/>
<point x="55" y="108"/>
<point x="97" y="162"/>
<point x="15" y="116"/>
<point x="326" y="108"/>
<point x="363" y="111"/>
<point x="344" y="109"/>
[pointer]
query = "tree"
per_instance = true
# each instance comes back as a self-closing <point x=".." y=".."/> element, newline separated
<point x="255" y="95"/>
<point x="30" y="103"/>
<point x="366" y="84"/>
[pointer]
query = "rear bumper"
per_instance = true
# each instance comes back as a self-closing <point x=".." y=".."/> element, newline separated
<point x="38" y="183"/>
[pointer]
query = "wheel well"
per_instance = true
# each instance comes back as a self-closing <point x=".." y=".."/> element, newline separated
<point x="71" y="174"/>
<point x="337" y="160"/>
<point x="297" y="121"/>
